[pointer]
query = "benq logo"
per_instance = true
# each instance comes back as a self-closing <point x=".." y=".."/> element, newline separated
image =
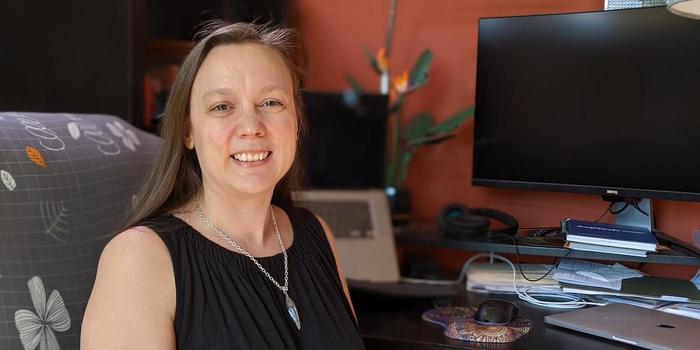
<point x="611" y="192"/>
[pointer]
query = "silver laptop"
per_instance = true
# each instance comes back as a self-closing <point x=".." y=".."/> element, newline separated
<point x="361" y="224"/>
<point x="647" y="328"/>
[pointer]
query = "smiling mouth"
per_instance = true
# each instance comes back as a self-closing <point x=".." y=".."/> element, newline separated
<point x="249" y="157"/>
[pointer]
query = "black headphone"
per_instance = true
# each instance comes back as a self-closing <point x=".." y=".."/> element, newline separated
<point x="459" y="222"/>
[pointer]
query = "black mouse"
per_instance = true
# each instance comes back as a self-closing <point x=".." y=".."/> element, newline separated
<point x="495" y="312"/>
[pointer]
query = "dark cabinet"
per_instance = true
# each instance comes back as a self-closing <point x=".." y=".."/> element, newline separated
<point x="69" y="56"/>
<point x="85" y="56"/>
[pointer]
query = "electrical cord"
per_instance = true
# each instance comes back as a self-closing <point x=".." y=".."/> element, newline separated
<point x="636" y="206"/>
<point x="533" y="295"/>
<point x="605" y="212"/>
<point x="608" y="210"/>
<point x="463" y="272"/>
<point x="546" y="232"/>
<point x="517" y="257"/>
<point x="618" y="211"/>
<point x="549" y="297"/>
<point x="628" y="201"/>
<point x="568" y="300"/>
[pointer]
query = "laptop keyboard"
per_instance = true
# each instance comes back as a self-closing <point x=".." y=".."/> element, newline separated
<point x="347" y="219"/>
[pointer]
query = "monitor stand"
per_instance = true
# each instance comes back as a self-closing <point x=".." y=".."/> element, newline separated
<point x="631" y="216"/>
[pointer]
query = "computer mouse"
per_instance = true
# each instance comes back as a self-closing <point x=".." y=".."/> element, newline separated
<point x="495" y="312"/>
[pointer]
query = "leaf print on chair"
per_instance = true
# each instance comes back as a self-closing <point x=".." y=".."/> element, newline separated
<point x="8" y="180"/>
<point x="35" y="156"/>
<point x="127" y="136"/>
<point x="36" y="329"/>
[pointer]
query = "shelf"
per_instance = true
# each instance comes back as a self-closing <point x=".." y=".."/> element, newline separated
<point x="537" y="247"/>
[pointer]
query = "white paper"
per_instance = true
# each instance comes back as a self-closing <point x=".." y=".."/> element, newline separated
<point x="592" y="274"/>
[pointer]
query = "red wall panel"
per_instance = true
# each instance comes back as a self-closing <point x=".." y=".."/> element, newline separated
<point x="335" y="33"/>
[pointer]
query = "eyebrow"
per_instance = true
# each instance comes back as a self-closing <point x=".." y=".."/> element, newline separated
<point x="219" y="91"/>
<point x="227" y="91"/>
<point x="271" y="88"/>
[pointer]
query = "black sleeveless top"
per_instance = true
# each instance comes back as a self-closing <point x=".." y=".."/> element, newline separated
<point x="224" y="301"/>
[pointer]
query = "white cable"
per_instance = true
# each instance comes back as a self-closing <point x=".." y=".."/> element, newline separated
<point x="528" y="294"/>
<point x="568" y="300"/>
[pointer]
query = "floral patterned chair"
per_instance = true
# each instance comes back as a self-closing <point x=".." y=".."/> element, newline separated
<point x="66" y="182"/>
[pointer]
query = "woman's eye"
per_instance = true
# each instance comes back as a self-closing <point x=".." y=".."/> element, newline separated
<point x="272" y="103"/>
<point x="220" y="108"/>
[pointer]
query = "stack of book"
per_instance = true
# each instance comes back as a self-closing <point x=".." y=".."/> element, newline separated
<point x="608" y="238"/>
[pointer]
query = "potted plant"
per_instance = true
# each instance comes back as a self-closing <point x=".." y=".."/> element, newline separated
<point x="419" y="131"/>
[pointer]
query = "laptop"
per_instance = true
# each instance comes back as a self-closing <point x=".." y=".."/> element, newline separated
<point x="361" y="224"/>
<point x="647" y="328"/>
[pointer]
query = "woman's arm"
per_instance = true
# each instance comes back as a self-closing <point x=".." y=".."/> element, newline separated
<point x="132" y="305"/>
<point x="331" y="240"/>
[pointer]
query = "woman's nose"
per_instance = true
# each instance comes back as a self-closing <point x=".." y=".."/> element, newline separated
<point x="250" y="123"/>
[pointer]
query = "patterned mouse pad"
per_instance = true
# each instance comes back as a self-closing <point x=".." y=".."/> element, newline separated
<point x="459" y="324"/>
<point x="443" y="316"/>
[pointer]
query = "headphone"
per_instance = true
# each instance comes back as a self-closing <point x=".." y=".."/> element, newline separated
<point x="459" y="222"/>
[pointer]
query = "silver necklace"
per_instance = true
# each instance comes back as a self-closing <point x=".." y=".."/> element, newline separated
<point x="291" y="306"/>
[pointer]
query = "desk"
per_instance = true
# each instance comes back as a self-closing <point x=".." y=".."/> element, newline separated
<point x="388" y="323"/>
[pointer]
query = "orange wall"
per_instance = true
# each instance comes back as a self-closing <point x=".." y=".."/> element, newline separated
<point x="335" y="33"/>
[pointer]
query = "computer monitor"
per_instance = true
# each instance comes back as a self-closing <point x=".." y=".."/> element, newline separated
<point x="345" y="141"/>
<point x="601" y="103"/>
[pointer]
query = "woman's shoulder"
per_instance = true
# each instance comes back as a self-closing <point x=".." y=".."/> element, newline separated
<point x="135" y="259"/>
<point x="140" y="242"/>
<point x="134" y="293"/>
<point x="138" y="253"/>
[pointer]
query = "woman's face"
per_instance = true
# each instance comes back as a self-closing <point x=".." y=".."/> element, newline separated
<point x="243" y="119"/>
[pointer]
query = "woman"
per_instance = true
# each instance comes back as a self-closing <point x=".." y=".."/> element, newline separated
<point x="215" y="255"/>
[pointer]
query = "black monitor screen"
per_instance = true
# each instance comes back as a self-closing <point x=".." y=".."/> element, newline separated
<point x="344" y="145"/>
<point x="600" y="103"/>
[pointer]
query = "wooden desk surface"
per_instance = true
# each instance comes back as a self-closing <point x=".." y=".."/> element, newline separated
<point x="391" y="323"/>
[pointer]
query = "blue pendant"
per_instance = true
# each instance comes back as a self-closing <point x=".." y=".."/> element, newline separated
<point x="292" y="310"/>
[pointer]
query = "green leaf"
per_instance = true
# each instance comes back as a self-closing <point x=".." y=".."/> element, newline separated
<point x="415" y="86"/>
<point x="452" y="122"/>
<point x="417" y="127"/>
<point x="372" y="61"/>
<point x="406" y="157"/>
<point x="356" y="87"/>
<point x="419" y="73"/>
<point x="429" y="140"/>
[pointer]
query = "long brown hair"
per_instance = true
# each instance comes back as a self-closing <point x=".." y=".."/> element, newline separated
<point x="175" y="176"/>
